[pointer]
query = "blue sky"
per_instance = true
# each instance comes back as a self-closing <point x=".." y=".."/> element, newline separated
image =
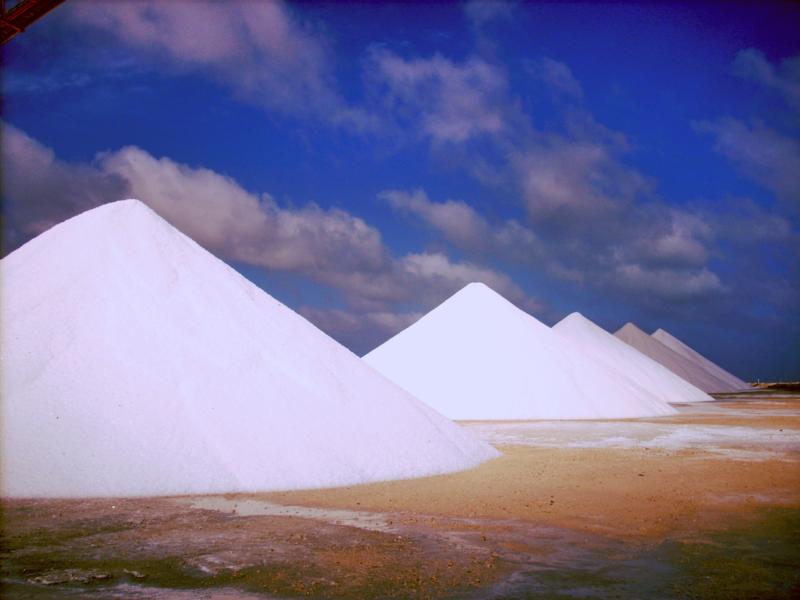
<point x="362" y="162"/>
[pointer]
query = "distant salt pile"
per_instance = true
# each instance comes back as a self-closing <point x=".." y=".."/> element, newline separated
<point x="678" y="364"/>
<point x="477" y="356"/>
<point x="673" y="343"/>
<point x="135" y="363"/>
<point x="616" y="354"/>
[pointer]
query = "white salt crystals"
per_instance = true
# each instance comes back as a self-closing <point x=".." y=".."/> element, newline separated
<point x="136" y="363"/>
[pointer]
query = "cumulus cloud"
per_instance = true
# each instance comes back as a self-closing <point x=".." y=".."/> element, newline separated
<point x="557" y="76"/>
<point x="672" y="239"/>
<point x="575" y="181"/>
<point x="425" y="278"/>
<point x="784" y="79"/>
<point x="217" y="212"/>
<point x="461" y="225"/>
<point x="661" y="253"/>
<point x="650" y="243"/>
<point x="746" y="223"/>
<point x="360" y="331"/>
<point x="329" y="246"/>
<point x="259" y="50"/>
<point x="450" y="102"/>
<point x="658" y="252"/>
<point x="39" y="190"/>
<point x="480" y="12"/>
<point x="767" y="156"/>
<point x="667" y="284"/>
<point x="573" y="178"/>
<point x="590" y="218"/>
<point x="436" y="267"/>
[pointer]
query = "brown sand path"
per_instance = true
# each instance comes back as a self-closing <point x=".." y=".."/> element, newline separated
<point x="620" y="492"/>
<point x="617" y="492"/>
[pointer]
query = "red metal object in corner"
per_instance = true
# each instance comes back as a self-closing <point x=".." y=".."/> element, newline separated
<point x="21" y="15"/>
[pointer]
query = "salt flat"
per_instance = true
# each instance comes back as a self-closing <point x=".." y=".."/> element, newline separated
<point x="736" y="442"/>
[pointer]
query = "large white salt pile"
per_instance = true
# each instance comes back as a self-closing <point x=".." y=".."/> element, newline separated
<point x="477" y="356"/>
<point x="680" y="365"/>
<point x="136" y="363"/>
<point x="673" y="343"/>
<point x="616" y="354"/>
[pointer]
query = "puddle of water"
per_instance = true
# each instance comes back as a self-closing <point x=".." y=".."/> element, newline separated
<point x="733" y="407"/>
<point x="756" y="559"/>
<point x="127" y="591"/>
<point x="759" y="559"/>
<point x="736" y="442"/>
<point x="250" y="508"/>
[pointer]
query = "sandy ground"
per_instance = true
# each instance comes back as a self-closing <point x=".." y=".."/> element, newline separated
<point x="633" y="490"/>
<point x="705" y="504"/>
<point x="617" y="492"/>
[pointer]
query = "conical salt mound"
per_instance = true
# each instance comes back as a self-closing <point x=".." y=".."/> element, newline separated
<point x="673" y="343"/>
<point x="680" y="365"/>
<point x="477" y="356"/>
<point x="616" y="354"/>
<point x="135" y="363"/>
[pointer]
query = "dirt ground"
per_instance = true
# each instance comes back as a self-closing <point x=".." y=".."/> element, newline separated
<point x="643" y="519"/>
<point x="616" y="492"/>
<point x="638" y="491"/>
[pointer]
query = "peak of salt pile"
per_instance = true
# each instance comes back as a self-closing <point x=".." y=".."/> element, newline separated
<point x="477" y="356"/>
<point x="680" y="365"/>
<point x="673" y="343"/>
<point x="616" y="354"/>
<point x="136" y="363"/>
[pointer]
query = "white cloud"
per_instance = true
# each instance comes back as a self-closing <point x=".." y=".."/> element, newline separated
<point x="557" y="76"/>
<point x="480" y="12"/>
<point x="591" y="219"/>
<point x="575" y="181"/>
<point x="450" y="102"/>
<point x="671" y="239"/>
<point x="217" y="212"/>
<point x="650" y="245"/>
<point x="667" y="284"/>
<point x="259" y="50"/>
<point x="744" y="222"/>
<point x="768" y="157"/>
<point x="361" y="331"/>
<point x="784" y="79"/>
<point x="39" y="190"/>
<point x="440" y="270"/>
<point x="329" y="246"/>
<point x="465" y="228"/>
<point x="424" y="279"/>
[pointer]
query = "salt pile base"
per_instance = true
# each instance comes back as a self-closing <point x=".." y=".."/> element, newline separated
<point x="673" y="343"/>
<point x="616" y="354"/>
<point x="136" y="363"/>
<point x="678" y="364"/>
<point x="477" y="356"/>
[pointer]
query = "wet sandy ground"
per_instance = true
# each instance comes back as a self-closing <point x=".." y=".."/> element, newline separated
<point x="704" y="504"/>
